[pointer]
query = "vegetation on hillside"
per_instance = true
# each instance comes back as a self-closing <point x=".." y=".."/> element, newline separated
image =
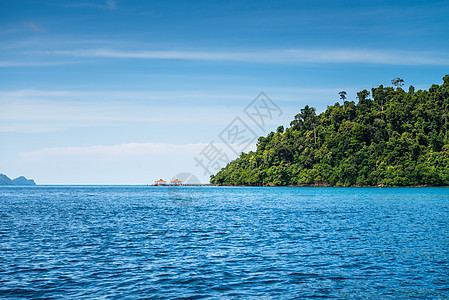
<point x="389" y="137"/>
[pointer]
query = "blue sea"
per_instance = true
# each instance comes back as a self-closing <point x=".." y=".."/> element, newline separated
<point x="134" y="242"/>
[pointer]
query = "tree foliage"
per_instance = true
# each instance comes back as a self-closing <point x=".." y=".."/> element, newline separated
<point x="397" y="82"/>
<point x="397" y="138"/>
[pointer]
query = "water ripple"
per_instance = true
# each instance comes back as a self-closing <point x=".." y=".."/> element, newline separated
<point x="142" y="242"/>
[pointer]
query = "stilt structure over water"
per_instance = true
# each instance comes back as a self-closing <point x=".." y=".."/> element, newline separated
<point x="160" y="182"/>
<point x="176" y="182"/>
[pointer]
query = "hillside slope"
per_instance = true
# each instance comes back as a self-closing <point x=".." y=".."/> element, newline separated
<point x="395" y="138"/>
<point x="5" y="180"/>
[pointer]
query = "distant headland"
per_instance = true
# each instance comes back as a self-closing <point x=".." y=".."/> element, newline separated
<point x="5" y="180"/>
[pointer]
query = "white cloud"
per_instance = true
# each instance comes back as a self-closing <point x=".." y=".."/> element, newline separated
<point x="367" y="56"/>
<point x="113" y="49"/>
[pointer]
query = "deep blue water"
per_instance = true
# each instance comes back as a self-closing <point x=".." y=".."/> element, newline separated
<point x="220" y="242"/>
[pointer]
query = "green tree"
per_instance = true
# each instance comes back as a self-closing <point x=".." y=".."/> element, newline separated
<point x="305" y="119"/>
<point x="396" y="138"/>
<point x="397" y="82"/>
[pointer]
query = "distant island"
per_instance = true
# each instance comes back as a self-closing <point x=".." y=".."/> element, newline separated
<point x="395" y="138"/>
<point x="5" y="180"/>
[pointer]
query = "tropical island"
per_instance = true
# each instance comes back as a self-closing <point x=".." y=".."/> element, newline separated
<point x="390" y="137"/>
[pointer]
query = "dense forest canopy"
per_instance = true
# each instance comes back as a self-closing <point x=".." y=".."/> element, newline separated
<point x="389" y="137"/>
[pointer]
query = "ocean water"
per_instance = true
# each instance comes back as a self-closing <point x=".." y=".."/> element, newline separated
<point x="133" y="242"/>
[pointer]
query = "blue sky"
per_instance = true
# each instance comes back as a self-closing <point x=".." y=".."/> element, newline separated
<point x="126" y="92"/>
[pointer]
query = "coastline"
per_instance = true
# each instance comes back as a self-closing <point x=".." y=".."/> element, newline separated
<point x="337" y="186"/>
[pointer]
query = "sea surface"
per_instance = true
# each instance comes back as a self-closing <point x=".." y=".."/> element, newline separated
<point x="134" y="242"/>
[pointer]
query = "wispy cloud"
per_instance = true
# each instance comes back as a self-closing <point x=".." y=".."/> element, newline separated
<point x="25" y="64"/>
<point x="111" y="4"/>
<point x="317" y="56"/>
<point x="33" y="26"/>
<point x="129" y="149"/>
<point x="53" y="110"/>
<point x="107" y="5"/>
<point x="64" y="111"/>
<point x="156" y="96"/>
<point x="29" y="128"/>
